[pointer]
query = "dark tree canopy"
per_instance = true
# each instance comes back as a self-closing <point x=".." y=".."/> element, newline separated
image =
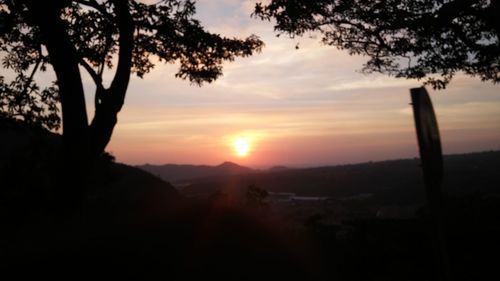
<point x="128" y="36"/>
<point x="166" y="30"/>
<point x="23" y="99"/>
<point x="422" y="39"/>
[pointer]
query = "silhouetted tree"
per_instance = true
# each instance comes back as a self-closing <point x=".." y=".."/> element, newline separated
<point x="95" y="35"/>
<point x="255" y="197"/>
<point x="422" y="39"/>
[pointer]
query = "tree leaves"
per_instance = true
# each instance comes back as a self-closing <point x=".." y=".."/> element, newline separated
<point x="22" y="99"/>
<point x="422" y="39"/>
<point x="165" y="29"/>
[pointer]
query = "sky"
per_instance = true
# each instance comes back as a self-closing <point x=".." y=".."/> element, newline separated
<point x="297" y="107"/>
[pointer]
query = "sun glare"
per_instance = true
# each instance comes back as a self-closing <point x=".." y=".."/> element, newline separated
<point x="241" y="146"/>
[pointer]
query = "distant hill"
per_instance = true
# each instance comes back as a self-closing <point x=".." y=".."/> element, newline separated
<point x="395" y="181"/>
<point x="278" y="169"/>
<point x="181" y="173"/>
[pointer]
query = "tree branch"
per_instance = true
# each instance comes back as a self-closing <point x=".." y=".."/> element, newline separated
<point x="28" y="83"/>
<point x="126" y="28"/>
<point x="95" y="76"/>
<point x="93" y="4"/>
<point x="108" y="44"/>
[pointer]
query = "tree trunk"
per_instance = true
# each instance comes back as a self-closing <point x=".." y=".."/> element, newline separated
<point x="63" y="58"/>
<point x="110" y="101"/>
<point x="103" y="123"/>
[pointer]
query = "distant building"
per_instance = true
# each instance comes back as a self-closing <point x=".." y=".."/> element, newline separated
<point x="309" y="198"/>
<point x="281" y="197"/>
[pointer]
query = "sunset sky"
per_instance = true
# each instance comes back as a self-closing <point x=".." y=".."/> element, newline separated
<point x="302" y="107"/>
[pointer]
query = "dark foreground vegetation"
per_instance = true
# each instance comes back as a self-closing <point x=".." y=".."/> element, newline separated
<point x="128" y="223"/>
<point x="132" y="224"/>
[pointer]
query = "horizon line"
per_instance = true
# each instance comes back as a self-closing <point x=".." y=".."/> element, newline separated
<point x="305" y="166"/>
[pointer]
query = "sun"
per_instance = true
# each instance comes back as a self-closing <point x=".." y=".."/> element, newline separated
<point x="241" y="146"/>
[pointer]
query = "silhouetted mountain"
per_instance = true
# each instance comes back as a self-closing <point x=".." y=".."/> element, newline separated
<point x="395" y="181"/>
<point x="180" y="173"/>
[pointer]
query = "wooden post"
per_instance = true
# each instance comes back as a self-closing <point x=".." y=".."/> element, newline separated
<point x="432" y="166"/>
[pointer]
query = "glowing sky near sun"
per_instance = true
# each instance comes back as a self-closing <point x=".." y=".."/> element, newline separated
<point x="241" y="146"/>
<point x="302" y="107"/>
